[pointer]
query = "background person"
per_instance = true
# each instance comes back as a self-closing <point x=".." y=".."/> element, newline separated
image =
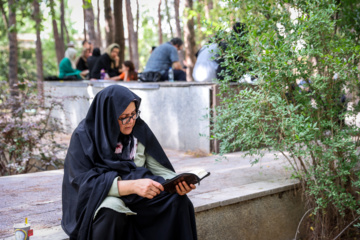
<point x="82" y="62"/>
<point x="205" y="65"/>
<point x="67" y="66"/>
<point x="92" y="59"/>
<point x="70" y="46"/>
<point x="87" y="45"/>
<point x="165" y="56"/>
<point x="128" y="72"/>
<point x="113" y="173"/>
<point x="109" y="61"/>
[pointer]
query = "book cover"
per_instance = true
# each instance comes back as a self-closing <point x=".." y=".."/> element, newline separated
<point x="193" y="177"/>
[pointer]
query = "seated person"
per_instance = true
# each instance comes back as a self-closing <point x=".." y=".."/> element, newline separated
<point x="165" y="56"/>
<point x="128" y="72"/>
<point x="205" y="66"/>
<point x="70" y="46"/>
<point x="113" y="175"/>
<point x="82" y="63"/>
<point x="93" y="58"/>
<point x="67" y="66"/>
<point x="109" y="61"/>
<point x="87" y="45"/>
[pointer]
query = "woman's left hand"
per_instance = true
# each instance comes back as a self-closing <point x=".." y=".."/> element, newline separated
<point x="183" y="188"/>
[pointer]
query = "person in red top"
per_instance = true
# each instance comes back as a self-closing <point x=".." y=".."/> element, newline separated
<point x="128" y="72"/>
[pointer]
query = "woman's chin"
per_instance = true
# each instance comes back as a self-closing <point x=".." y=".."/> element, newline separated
<point x="127" y="131"/>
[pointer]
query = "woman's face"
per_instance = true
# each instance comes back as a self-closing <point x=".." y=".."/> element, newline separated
<point x="114" y="53"/>
<point x="129" y="118"/>
<point x="124" y="68"/>
<point x="87" y="53"/>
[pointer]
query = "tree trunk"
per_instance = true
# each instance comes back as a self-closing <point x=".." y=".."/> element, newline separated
<point x="63" y="29"/>
<point x="61" y="45"/>
<point x="168" y="18"/>
<point x="159" y="24"/>
<point x="99" y="38"/>
<point x="178" y="29"/>
<point x="62" y="20"/>
<point x="189" y="37"/>
<point x="85" y="32"/>
<point x="119" y="29"/>
<point x="3" y="13"/>
<point x="89" y="19"/>
<point x="67" y="35"/>
<point x="208" y="7"/>
<point x="59" y="52"/>
<point x="13" y="50"/>
<point x="177" y="19"/>
<point x="133" y="36"/>
<point x="39" y="57"/>
<point x="130" y="25"/>
<point x="137" y="36"/>
<point x="109" y="26"/>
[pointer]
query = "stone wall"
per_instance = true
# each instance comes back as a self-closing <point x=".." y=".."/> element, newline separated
<point x="174" y="111"/>
<point x="274" y="217"/>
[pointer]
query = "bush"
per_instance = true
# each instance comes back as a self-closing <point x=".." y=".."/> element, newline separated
<point x="27" y="133"/>
<point x="304" y="122"/>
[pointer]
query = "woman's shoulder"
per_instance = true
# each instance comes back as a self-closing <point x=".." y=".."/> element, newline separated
<point x="65" y="60"/>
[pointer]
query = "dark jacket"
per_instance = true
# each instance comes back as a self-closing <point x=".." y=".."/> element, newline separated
<point x="106" y="63"/>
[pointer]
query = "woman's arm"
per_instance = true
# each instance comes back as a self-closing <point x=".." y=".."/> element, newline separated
<point x="143" y="187"/>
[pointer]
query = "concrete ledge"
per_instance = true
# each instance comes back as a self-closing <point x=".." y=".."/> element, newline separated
<point x="273" y="216"/>
<point x="228" y="196"/>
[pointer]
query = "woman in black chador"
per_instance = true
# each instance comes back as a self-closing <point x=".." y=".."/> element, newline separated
<point x="113" y="172"/>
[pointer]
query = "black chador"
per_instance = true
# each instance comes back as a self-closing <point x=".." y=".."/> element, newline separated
<point x="91" y="165"/>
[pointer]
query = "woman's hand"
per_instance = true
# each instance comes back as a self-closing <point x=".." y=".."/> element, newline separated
<point x="117" y="61"/>
<point x="148" y="188"/>
<point x="183" y="188"/>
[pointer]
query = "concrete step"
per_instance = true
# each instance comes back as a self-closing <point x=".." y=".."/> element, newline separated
<point x="233" y="196"/>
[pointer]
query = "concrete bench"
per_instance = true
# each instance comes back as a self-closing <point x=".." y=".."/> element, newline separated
<point x="236" y="202"/>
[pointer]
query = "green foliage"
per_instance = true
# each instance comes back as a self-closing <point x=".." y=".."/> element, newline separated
<point x="216" y="20"/>
<point x="304" y="123"/>
<point x="27" y="136"/>
<point x="27" y="63"/>
<point x="148" y="37"/>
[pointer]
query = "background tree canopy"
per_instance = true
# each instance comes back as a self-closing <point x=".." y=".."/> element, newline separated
<point x="141" y="28"/>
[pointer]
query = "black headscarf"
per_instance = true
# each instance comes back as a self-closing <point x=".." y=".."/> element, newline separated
<point x="91" y="164"/>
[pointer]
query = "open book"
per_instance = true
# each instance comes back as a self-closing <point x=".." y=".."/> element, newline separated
<point x="192" y="177"/>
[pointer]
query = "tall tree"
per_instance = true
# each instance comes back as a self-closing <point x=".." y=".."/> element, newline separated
<point x="13" y="49"/>
<point x="178" y="29"/>
<point x="177" y="19"/>
<point x="3" y="13"/>
<point x="85" y="31"/>
<point x="99" y="38"/>
<point x="59" y="52"/>
<point x="159" y="24"/>
<point x="133" y="36"/>
<point x="119" y="28"/>
<point x="89" y="19"/>
<point x="62" y="26"/>
<point x="39" y="58"/>
<point x="168" y="17"/>
<point x="189" y="37"/>
<point x="109" y="23"/>
<point x="208" y="6"/>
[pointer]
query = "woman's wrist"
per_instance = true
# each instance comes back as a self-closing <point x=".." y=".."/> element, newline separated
<point x="126" y="187"/>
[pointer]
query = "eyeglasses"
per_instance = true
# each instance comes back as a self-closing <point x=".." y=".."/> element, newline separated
<point x="134" y="116"/>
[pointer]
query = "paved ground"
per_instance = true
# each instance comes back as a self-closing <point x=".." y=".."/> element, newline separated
<point x="38" y="195"/>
